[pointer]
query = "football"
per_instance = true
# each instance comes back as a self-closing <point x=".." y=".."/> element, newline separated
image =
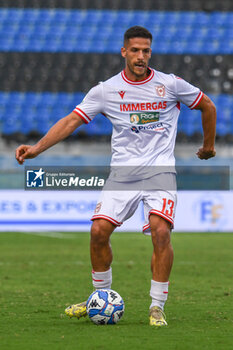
<point x="105" y="306"/>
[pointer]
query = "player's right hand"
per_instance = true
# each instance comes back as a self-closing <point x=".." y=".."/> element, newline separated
<point x="25" y="152"/>
<point x="206" y="153"/>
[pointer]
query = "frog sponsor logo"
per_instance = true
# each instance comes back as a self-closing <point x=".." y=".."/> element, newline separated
<point x="144" y="118"/>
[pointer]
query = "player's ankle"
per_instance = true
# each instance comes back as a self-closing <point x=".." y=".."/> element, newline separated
<point x="102" y="279"/>
<point x="158" y="293"/>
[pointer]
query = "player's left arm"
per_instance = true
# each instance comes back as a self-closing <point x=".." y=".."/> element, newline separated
<point x="208" y="113"/>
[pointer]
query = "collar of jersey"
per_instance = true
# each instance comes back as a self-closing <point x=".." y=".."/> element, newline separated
<point x="140" y="82"/>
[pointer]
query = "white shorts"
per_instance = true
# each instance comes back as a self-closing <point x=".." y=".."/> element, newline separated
<point x="117" y="206"/>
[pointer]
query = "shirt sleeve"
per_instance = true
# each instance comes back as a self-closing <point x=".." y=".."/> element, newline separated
<point x="91" y="105"/>
<point x="188" y="94"/>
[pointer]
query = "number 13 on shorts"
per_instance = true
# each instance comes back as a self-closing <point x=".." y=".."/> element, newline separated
<point x="168" y="207"/>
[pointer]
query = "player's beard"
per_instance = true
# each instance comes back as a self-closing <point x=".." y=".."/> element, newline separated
<point x="138" y="75"/>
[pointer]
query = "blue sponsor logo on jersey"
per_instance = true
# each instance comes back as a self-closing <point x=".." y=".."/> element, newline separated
<point x="154" y="127"/>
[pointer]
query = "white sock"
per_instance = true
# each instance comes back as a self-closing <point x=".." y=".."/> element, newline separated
<point x="158" y="293"/>
<point x="102" y="279"/>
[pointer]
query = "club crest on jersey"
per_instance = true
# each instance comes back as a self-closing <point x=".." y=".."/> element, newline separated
<point x="160" y="90"/>
<point x="98" y="207"/>
<point x="122" y="94"/>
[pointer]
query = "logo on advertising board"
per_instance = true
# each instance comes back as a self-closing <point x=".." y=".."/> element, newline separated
<point x="211" y="211"/>
<point x="144" y="118"/>
<point x="35" y="178"/>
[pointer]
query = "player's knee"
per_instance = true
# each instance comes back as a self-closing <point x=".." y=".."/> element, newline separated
<point x="99" y="233"/>
<point x="161" y="236"/>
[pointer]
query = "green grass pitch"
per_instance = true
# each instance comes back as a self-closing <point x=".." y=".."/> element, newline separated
<point x="41" y="275"/>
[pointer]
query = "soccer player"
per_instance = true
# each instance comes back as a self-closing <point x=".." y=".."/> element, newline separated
<point x="143" y="105"/>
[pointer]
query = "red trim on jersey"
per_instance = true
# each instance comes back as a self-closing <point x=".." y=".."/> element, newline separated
<point x="85" y="121"/>
<point x="140" y="82"/>
<point x="83" y="114"/>
<point x="108" y="218"/>
<point x="197" y="101"/>
<point x="178" y="105"/>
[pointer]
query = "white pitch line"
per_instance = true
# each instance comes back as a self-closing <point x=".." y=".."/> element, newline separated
<point x="60" y="235"/>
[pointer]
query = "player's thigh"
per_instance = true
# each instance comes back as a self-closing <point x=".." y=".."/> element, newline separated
<point x="117" y="206"/>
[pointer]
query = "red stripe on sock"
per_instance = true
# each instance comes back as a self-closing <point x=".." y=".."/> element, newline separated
<point x="97" y="280"/>
<point x="165" y="292"/>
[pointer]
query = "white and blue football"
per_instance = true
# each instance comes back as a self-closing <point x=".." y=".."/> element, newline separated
<point x="105" y="306"/>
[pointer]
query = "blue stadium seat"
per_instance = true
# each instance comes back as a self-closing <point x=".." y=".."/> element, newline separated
<point x="3" y="14"/>
<point x="219" y="18"/>
<point x="42" y="29"/>
<point x="224" y="47"/>
<point x="170" y="18"/>
<point x="62" y="17"/>
<point x="99" y="126"/>
<point x="109" y="18"/>
<point x="6" y="44"/>
<point x="155" y="17"/>
<point x="98" y="46"/>
<point x="78" y="17"/>
<point x="123" y="17"/>
<point x="182" y="33"/>
<point x="214" y="33"/>
<point x="228" y="33"/>
<point x="93" y="17"/>
<point x="177" y="46"/>
<point x="212" y="46"/>
<point x="105" y="34"/>
<point x="187" y="18"/>
<point x="197" y="33"/>
<point x="15" y="14"/>
<point x="222" y="129"/>
<point x="28" y="111"/>
<point x="139" y="18"/>
<point x="11" y="123"/>
<point x="45" y="30"/>
<point x="30" y="15"/>
<point x="202" y="19"/>
<point x="44" y="16"/>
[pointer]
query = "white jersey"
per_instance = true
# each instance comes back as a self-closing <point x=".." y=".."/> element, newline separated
<point x="144" y="115"/>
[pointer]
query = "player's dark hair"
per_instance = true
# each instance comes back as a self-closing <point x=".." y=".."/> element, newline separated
<point x="137" y="32"/>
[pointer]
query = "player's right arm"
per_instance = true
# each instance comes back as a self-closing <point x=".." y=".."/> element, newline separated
<point x="58" y="132"/>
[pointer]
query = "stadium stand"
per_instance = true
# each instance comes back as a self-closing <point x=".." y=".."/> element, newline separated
<point x="55" y="30"/>
<point x="53" y="52"/>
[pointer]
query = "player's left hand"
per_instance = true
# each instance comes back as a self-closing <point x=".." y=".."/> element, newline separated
<point x="204" y="153"/>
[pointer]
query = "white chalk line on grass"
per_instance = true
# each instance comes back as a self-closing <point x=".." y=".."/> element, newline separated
<point x="60" y="235"/>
